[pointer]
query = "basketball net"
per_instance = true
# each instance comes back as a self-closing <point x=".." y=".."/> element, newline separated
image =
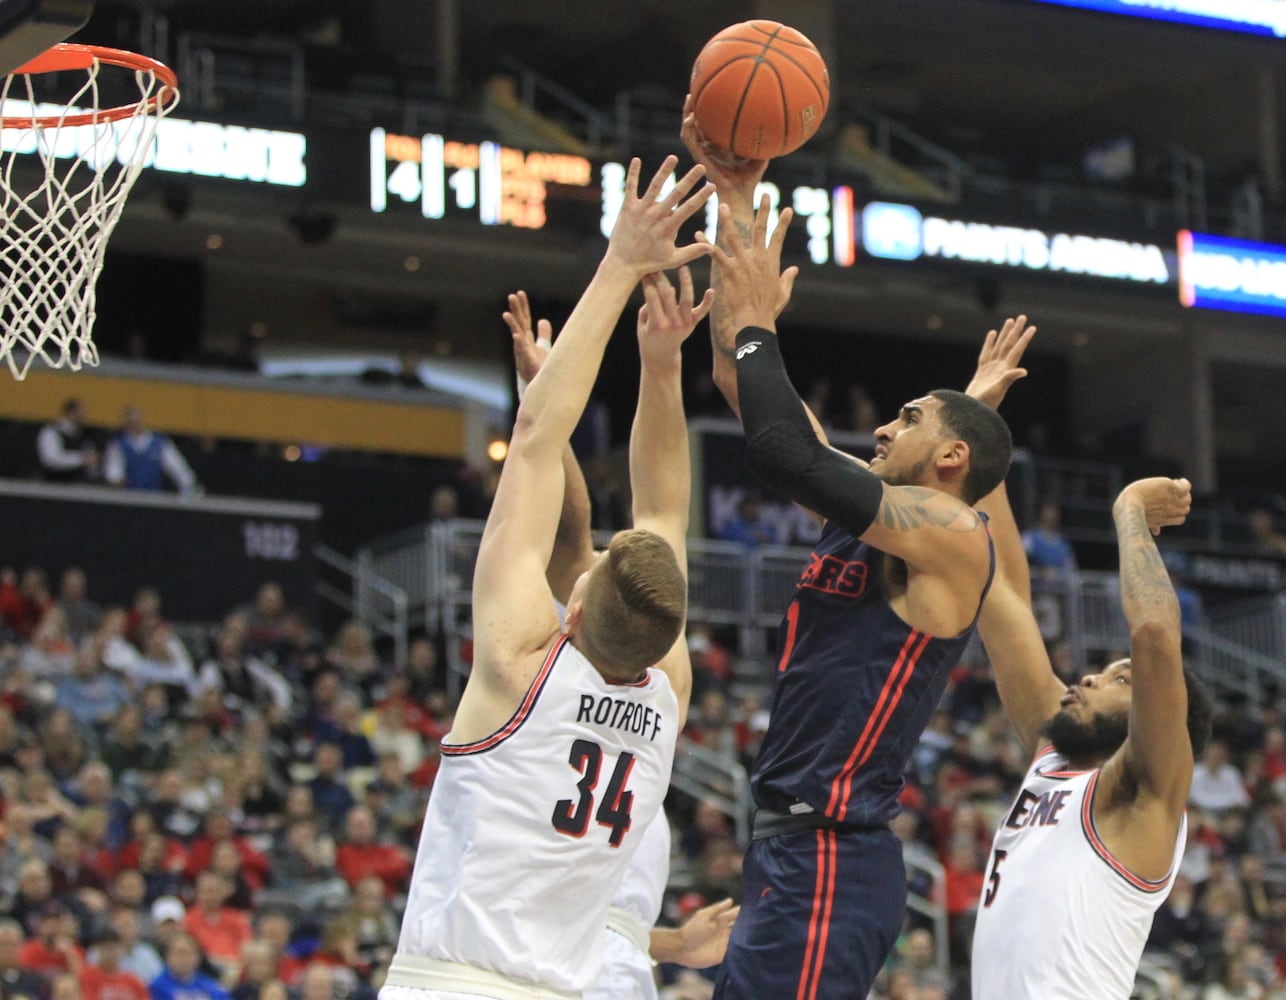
<point x="65" y="170"/>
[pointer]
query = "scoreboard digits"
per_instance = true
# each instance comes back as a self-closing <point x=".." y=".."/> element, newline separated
<point x="498" y="185"/>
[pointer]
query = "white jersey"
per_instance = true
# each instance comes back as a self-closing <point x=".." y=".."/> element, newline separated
<point x="627" y="965"/>
<point x="529" y="831"/>
<point x="1060" y="918"/>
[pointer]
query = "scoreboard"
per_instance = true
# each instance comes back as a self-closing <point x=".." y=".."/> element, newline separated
<point x="497" y="185"/>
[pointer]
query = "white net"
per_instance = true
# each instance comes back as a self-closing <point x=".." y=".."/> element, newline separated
<point x="63" y="185"/>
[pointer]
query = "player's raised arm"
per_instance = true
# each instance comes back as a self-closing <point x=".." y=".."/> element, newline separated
<point x="928" y="528"/>
<point x="660" y="465"/>
<point x="1025" y="679"/>
<point x="573" y="551"/>
<point x="1158" y="752"/>
<point x="512" y="620"/>
<point x="735" y="180"/>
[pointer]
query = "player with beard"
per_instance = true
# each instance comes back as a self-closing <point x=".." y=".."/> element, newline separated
<point x="1090" y="847"/>
<point x="881" y="615"/>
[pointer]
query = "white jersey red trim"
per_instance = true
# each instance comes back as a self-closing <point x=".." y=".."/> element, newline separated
<point x="1061" y="918"/>
<point x="529" y="830"/>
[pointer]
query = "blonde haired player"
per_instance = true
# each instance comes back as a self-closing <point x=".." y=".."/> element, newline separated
<point x="632" y="944"/>
<point x="1090" y="847"/>
<point x="562" y="746"/>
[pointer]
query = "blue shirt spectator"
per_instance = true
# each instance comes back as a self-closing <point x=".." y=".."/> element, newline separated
<point x="181" y="980"/>
<point x="91" y="694"/>
<point x="1049" y="553"/>
<point x="749" y="526"/>
<point x="140" y="459"/>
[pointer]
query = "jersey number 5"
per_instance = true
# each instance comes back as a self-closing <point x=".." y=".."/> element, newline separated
<point x="994" y="881"/>
<point x="572" y="818"/>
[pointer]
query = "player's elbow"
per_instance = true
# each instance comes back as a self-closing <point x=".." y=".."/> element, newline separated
<point x="1156" y="634"/>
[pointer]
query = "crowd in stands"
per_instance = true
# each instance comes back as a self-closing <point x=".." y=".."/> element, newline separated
<point x="235" y="814"/>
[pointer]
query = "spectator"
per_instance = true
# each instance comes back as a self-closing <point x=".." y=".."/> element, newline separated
<point x="377" y="929"/>
<point x="23" y="602"/>
<point x="242" y="680"/>
<point x="82" y="615"/>
<point x="258" y="966"/>
<point x="53" y="949"/>
<point x="360" y="854"/>
<point x="1048" y="551"/>
<point x="161" y="658"/>
<point x="92" y="696"/>
<point x="329" y="790"/>
<point x="393" y="735"/>
<point x="137" y="955"/>
<point x="51" y="655"/>
<point x="103" y="978"/>
<point x="65" y="449"/>
<point x="218" y="829"/>
<point x="749" y="526"/>
<point x="303" y="863"/>
<point x="917" y="958"/>
<point x="267" y="623"/>
<point x="262" y="791"/>
<point x="1216" y="783"/>
<point x="168" y="918"/>
<point x="68" y="872"/>
<point x="344" y="729"/>
<point x="353" y="654"/>
<point x="35" y="893"/>
<point x="1265" y="539"/>
<point x="127" y="754"/>
<point x="1052" y="563"/>
<point x="139" y="459"/>
<point x="398" y="806"/>
<point x="17" y="982"/>
<point x="217" y="928"/>
<point x="181" y="980"/>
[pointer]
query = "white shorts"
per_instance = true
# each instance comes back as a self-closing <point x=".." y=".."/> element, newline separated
<point x="449" y="981"/>
<point x="627" y="972"/>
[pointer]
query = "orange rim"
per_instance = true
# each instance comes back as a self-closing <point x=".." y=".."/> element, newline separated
<point x="65" y="56"/>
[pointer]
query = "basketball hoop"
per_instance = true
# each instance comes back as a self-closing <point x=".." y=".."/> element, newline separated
<point x="67" y="163"/>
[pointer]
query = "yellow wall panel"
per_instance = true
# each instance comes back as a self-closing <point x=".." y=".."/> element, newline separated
<point x="286" y="415"/>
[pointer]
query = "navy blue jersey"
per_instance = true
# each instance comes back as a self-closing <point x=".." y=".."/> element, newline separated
<point x="854" y="689"/>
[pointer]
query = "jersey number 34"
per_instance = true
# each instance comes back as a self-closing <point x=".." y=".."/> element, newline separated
<point x="572" y="816"/>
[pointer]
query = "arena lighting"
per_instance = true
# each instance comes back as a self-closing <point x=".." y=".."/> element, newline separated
<point x="182" y="146"/>
<point x="1217" y="272"/>
<point x="1252" y="17"/>
<point x="900" y="232"/>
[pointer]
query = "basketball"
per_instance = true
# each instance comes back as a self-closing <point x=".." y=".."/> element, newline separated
<point x="759" y="89"/>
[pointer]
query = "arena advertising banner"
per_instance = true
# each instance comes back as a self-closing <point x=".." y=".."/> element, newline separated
<point x="893" y="231"/>
<point x="206" y="555"/>
<point x="1251" y="17"/>
<point x="1217" y="272"/>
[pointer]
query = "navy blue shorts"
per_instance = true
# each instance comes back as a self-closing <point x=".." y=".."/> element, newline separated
<point x="820" y="913"/>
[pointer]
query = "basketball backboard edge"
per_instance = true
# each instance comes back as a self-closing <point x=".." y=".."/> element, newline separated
<point x="29" y="27"/>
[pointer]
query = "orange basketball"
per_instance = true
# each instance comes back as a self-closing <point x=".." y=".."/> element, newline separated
<point x="759" y="89"/>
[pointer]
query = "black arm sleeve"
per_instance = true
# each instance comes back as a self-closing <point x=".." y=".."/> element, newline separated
<point x="782" y="448"/>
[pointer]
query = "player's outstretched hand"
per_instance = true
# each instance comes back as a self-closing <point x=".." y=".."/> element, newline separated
<point x="999" y="361"/>
<point x="1165" y="501"/>
<point x="704" y="935"/>
<point x="666" y="319"/>
<point x="755" y="289"/>
<point x="735" y="177"/>
<point x="531" y="346"/>
<point x="643" y="238"/>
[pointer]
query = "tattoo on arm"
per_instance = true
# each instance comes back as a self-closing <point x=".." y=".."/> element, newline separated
<point x="722" y="335"/>
<point x="906" y="508"/>
<point x="1144" y="578"/>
